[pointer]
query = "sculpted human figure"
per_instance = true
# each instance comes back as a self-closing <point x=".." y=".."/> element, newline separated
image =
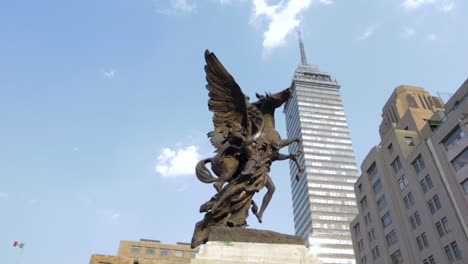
<point x="246" y="145"/>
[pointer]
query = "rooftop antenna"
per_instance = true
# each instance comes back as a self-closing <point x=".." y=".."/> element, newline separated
<point x="301" y="47"/>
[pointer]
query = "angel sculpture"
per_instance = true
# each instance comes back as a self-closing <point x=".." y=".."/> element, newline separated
<point x="246" y="145"/>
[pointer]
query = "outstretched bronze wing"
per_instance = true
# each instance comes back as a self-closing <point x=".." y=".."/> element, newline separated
<point x="227" y="101"/>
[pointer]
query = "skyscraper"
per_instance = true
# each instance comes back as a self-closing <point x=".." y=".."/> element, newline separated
<point x="323" y="200"/>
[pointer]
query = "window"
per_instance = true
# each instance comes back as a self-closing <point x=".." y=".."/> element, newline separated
<point x="396" y="165"/>
<point x="423" y="185"/>
<point x="360" y="245"/>
<point x="448" y="252"/>
<point x="357" y="229"/>
<point x="415" y="220"/>
<point x="461" y="160"/>
<point x="439" y="228"/>
<point x="434" y="204"/>
<point x="424" y="239"/>
<point x="430" y="204"/>
<point x="429" y="260"/>
<point x="386" y="219"/>
<point x="455" y="249"/>
<point x="192" y="254"/>
<point x="150" y="250"/>
<point x="418" y="164"/>
<point x="164" y="252"/>
<point x="420" y="243"/>
<point x="363" y="203"/>
<point x="372" y="171"/>
<point x="465" y="186"/>
<point x="446" y="225"/>
<point x="390" y="148"/>
<point x="364" y="260"/>
<point x="178" y="253"/>
<point x="397" y="258"/>
<point x="392" y="238"/>
<point x="403" y="182"/>
<point x="135" y="249"/>
<point x="360" y="188"/>
<point x="437" y="202"/>
<point x="371" y="235"/>
<point x="426" y="183"/>
<point x="408" y="200"/>
<point x="368" y="218"/>
<point x="375" y="252"/>
<point x="411" y="198"/>
<point x="377" y="186"/>
<point x="409" y="141"/>
<point x="453" y="137"/>
<point x="411" y="102"/>
<point x="418" y="219"/>
<point x="382" y="202"/>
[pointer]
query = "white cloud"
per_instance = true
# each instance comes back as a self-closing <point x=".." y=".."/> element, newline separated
<point x="3" y="196"/>
<point x="109" y="73"/>
<point x="283" y="19"/>
<point x="327" y="2"/>
<point x="432" y="37"/>
<point x="177" y="162"/>
<point x="443" y="5"/>
<point x="177" y="7"/>
<point x="367" y="33"/>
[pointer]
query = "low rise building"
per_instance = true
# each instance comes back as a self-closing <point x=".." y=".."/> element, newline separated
<point x="147" y="251"/>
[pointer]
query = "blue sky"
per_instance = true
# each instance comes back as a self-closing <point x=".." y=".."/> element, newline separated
<point x="103" y="108"/>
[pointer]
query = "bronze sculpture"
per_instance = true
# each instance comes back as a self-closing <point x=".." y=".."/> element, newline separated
<point x="246" y="144"/>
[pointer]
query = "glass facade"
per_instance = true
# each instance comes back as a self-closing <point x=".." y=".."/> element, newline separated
<point x="323" y="200"/>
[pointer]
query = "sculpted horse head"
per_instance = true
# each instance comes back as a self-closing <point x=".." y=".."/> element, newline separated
<point x="267" y="104"/>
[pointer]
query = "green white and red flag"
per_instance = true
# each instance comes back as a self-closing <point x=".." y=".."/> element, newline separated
<point x="18" y="244"/>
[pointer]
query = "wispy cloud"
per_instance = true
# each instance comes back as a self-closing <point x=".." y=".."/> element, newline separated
<point x="176" y="7"/>
<point x="176" y="162"/>
<point x="443" y="5"/>
<point x="367" y="33"/>
<point x="3" y="196"/>
<point x="432" y="37"/>
<point x="109" y="73"/>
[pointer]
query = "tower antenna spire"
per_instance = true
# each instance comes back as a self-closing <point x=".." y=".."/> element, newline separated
<point x="301" y="47"/>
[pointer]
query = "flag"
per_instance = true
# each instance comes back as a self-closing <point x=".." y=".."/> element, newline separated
<point x="18" y="244"/>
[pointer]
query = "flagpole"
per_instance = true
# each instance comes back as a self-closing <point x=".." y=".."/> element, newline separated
<point x="19" y="256"/>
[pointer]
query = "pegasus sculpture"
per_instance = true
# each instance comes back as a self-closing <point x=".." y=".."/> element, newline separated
<point x="246" y="145"/>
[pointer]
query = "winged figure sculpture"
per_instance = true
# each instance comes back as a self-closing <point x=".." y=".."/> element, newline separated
<point x="246" y="145"/>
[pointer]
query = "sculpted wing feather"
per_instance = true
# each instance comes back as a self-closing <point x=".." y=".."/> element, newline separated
<point x="227" y="102"/>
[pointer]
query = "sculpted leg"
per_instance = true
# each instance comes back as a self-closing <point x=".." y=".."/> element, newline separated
<point x="267" y="198"/>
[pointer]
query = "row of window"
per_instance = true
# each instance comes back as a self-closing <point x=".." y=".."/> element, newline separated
<point x="162" y="251"/>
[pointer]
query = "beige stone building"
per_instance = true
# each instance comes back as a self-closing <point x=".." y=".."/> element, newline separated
<point x="413" y="191"/>
<point x="147" y="251"/>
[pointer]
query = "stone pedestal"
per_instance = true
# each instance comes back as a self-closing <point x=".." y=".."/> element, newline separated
<point x="227" y="252"/>
<point x="249" y="246"/>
